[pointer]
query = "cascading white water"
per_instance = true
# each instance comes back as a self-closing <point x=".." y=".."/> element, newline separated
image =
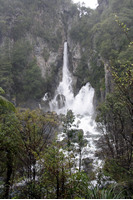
<point x="64" y="93"/>
<point x="81" y="105"/>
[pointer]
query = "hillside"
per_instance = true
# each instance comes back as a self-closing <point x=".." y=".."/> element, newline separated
<point x="32" y="37"/>
<point x="77" y="142"/>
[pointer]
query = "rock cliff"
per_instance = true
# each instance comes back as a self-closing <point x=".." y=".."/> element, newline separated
<point x="32" y="34"/>
<point x="45" y="25"/>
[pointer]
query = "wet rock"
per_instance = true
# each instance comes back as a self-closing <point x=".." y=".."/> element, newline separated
<point x="61" y="100"/>
<point x="87" y="165"/>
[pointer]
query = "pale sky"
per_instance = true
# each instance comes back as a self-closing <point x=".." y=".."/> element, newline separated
<point x="89" y="3"/>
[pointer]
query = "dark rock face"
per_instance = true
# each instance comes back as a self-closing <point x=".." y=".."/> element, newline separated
<point x="108" y="78"/>
<point x="61" y="100"/>
<point x="87" y="165"/>
<point x="103" y="3"/>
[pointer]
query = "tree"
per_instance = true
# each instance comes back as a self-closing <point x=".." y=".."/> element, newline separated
<point x="9" y="146"/>
<point x="115" y="117"/>
<point x="5" y="105"/>
<point x="56" y="181"/>
<point x="67" y="126"/>
<point x="33" y="82"/>
<point x="8" y="140"/>
<point x="55" y="172"/>
<point x="37" y="131"/>
<point x="6" y="80"/>
<point x="81" y="143"/>
<point x="73" y="135"/>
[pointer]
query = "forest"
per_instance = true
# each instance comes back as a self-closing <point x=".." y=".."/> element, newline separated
<point x="34" y="163"/>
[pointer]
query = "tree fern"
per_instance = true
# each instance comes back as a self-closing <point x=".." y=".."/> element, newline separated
<point x="4" y="103"/>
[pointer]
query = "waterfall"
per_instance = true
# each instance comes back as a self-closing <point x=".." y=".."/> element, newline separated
<point x="81" y="105"/>
<point x="64" y="94"/>
<point x="64" y="98"/>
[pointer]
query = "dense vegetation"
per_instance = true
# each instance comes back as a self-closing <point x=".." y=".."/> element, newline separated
<point x="116" y="113"/>
<point x="103" y="40"/>
<point x="116" y="122"/>
<point x="34" y="165"/>
<point x="109" y="33"/>
<point x="22" y="25"/>
<point x="33" y="162"/>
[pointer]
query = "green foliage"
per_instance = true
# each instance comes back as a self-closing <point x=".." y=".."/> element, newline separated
<point x="9" y="129"/>
<point x="26" y="74"/>
<point x="54" y="172"/>
<point x="20" y="55"/>
<point x="24" y="137"/>
<point x="9" y="145"/>
<point x="20" y="74"/>
<point x="34" y="129"/>
<point x="123" y="77"/>
<point x="72" y="136"/>
<point x="45" y="54"/>
<point x="2" y="91"/>
<point x="100" y="35"/>
<point x="117" y="172"/>
<point x="108" y="193"/>
<point x="82" y="71"/>
<point x="20" y="27"/>
<point x="57" y="179"/>
<point x="68" y="121"/>
<point x="67" y="127"/>
<point x="5" y="105"/>
<point x="6" y="81"/>
<point x="115" y="118"/>
<point x="33" y="82"/>
<point x="126" y="55"/>
<point x="97" y="75"/>
<point x="47" y="171"/>
<point x="78" y="186"/>
<point x="20" y="24"/>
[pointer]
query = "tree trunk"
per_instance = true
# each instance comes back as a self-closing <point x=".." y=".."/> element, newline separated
<point x="80" y="160"/>
<point x="8" y="175"/>
<point x="57" y="186"/>
<point x="63" y="184"/>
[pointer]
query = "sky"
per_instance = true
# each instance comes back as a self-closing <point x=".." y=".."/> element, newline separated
<point x="89" y="3"/>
